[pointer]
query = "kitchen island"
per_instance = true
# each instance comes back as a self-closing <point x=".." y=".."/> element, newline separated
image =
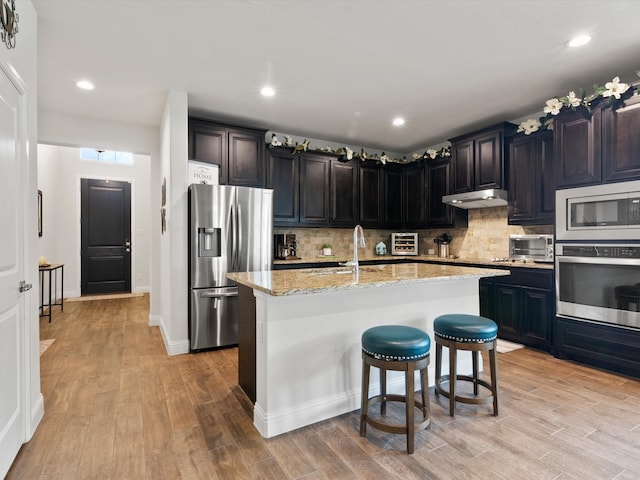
<point x="307" y="325"/>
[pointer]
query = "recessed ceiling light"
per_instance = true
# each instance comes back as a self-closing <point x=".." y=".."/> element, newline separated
<point x="398" y="121"/>
<point x="579" y="41"/>
<point x="85" y="85"/>
<point x="268" y="92"/>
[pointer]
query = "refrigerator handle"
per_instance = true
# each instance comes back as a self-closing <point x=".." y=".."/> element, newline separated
<point x="238" y="235"/>
<point x="236" y="228"/>
<point x="234" y="242"/>
<point x="218" y="294"/>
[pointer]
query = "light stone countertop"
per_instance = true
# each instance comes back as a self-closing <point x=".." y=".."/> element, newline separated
<point x="432" y="258"/>
<point x="315" y="280"/>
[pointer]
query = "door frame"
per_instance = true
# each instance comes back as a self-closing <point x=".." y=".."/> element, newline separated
<point x="130" y="181"/>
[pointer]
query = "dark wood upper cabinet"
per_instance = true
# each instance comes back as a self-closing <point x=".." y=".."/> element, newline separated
<point x="577" y="141"/>
<point x="489" y="160"/>
<point x="246" y="158"/>
<point x="414" y="196"/>
<point x="283" y="177"/>
<point x="314" y="189"/>
<point x="371" y="209"/>
<point x="531" y="179"/>
<point x="239" y="152"/>
<point x="393" y="194"/>
<point x="621" y="141"/>
<point x="462" y="162"/>
<point x="344" y="193"/>
<point x="478" y="158"/>
<point x="208" y="144"/>
<point x="438" y="184"/>
<point x="600" y="147"/>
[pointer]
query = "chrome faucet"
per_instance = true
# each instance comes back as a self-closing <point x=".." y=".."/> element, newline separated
<point x="358" y="238"/>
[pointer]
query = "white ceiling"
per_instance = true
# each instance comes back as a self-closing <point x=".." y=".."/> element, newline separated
<point x="342" y="69"/>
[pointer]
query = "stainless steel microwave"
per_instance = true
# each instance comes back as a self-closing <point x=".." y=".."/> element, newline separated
<point x="538" y="248"/>
<point x="599" y="212"/>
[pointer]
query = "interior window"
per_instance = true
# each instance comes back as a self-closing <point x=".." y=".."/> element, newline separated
<point x="107" y="156"/>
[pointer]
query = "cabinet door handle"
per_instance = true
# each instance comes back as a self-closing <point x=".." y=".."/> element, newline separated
<point x="24" y="286"/>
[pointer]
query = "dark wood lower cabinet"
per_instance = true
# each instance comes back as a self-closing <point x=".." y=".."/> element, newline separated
<point x="522" y="305"/>
<point x="603" y="346"/>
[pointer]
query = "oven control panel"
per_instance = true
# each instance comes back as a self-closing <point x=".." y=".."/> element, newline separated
<point x="608" y="251"/>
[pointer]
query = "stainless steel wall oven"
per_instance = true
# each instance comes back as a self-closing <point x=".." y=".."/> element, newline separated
<point x="599" y="283"/>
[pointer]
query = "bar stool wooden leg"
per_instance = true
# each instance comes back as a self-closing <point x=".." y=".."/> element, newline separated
<point x="453" y="365"/>
<point x="438" y="366"/>
<point x="383" y="391"/>
<point x="474" y="362"/>
<point x="424" y="388"/>
<point x="364" y="406"/>
<point x="494" y="377"/>
<point x="410" y="405"/>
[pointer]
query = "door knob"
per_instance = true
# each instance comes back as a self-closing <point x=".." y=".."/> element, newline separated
<point x="24" y="286"/>
<point x="127" y="243"/>
<point x="127" y="250"/>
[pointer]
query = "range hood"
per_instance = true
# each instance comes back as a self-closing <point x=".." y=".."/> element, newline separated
<point x="492" y="197"/>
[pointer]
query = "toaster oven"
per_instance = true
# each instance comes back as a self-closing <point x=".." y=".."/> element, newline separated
<point x="404" y="244"/>
<point x="538" y="248"/>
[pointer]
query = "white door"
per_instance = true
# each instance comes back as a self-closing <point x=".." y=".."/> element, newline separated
<point x="12" y="304"/>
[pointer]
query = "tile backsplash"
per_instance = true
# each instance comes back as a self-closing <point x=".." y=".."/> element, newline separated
<point x="487" y="236"/>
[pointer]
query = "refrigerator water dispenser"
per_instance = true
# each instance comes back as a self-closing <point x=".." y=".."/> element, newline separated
<point x="209" y="242"/>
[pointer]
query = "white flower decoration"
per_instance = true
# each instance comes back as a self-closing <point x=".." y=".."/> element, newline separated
<point x="349" y="153"/>
<point x="553" y="106"/>
<point x="529" y="126"/>
<point x="446" y="153"/>
<point x="287" y="141"/>
<point x="384" y="158"/>
<point x="548" y="123"/>
<point x="615" y="88"/>
<point x="416" y="156"/>
<point x="573" y="100"/>
<point x="274" y="141"/>
<point x="432" y="152"/>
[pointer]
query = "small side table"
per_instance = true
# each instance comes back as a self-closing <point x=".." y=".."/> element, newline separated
<point x="54" y="268"/>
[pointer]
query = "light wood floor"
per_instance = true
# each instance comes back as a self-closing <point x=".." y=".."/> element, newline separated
<point x="117" y="407"/>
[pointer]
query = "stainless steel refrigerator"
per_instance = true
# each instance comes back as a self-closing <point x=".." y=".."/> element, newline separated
<point x="229" y="231"/>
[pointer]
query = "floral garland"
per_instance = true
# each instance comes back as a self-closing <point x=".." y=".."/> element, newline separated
<point x="612" y="90"/>
<point x="345" y="153"/>
<point x="433" y="154"/>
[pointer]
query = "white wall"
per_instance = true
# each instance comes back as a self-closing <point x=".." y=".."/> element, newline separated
<point x="59" y="172"/>
<point x="173" y="244"/>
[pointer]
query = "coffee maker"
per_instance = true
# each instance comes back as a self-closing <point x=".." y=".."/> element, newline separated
<point x="284" y="246"/>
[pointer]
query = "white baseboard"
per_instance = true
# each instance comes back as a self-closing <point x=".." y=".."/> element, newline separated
<point x="173" y="347"/>
<point x="154" y="320"/>
<point x="37" y="413"/>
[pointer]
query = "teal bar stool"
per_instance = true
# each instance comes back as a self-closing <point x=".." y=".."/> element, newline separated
<point x="399" y="348"/>
<point x="466" y="332"/>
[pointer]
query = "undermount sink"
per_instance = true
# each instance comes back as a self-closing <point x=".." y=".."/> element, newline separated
<point x="340" y="270"/>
